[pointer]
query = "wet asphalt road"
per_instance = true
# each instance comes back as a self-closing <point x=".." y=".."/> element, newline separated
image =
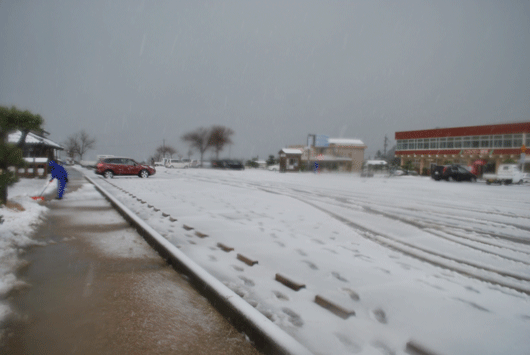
<point x="85" y="297"/>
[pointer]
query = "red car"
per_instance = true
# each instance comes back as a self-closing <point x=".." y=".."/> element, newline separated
<point x="109" y="167"/>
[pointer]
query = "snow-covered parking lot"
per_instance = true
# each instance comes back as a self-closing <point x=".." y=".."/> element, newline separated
<point x="445" y="265"/>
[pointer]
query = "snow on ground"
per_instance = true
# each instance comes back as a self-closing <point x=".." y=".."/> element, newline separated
<point x="445" y="265"/>
<point x="16" y="231"/>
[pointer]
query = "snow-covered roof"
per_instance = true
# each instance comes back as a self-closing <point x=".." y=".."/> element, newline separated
<point x="291" y="151"/>
<point x="346" y="141"/>
<point x="376" y="162"/>
<point x="36" y="160"/>
<point x="32" y="138"/>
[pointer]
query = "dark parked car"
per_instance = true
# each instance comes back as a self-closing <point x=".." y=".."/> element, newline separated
<point x="228" y="164"/>
<point x="109" y="167"/>
<point x="235" y="165"/>
<point x="452" y="172"/>
<point x="218" y="164"/>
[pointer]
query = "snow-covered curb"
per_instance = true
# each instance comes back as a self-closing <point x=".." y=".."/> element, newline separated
<point x="265" y="334"/>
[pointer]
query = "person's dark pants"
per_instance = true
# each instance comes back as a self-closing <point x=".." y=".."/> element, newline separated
<point x="60" y="188"/>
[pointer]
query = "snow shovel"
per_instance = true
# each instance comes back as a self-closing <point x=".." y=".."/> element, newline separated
<point x="40" y="197"/>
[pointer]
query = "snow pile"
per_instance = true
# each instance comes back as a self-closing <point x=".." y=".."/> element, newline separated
<point x="15" y="233"/>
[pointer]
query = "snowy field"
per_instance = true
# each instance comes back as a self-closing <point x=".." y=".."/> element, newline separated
<point x="444" y="265"/>
<point x="16" y="233"/>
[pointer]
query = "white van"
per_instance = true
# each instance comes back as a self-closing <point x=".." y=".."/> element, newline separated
<point x="178" y="163"/>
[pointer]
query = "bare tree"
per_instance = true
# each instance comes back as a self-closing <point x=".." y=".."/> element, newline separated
<point x="79" y="143"/>
<point x="86" y="143"/>
<point x="71" y="146"/>
<point x="219" y="137"/>
<point x="165" y="150"/>
<point x="198" y="139"/>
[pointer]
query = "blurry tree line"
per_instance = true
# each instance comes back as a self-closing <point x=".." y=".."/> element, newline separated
<point x="201" y="140"/>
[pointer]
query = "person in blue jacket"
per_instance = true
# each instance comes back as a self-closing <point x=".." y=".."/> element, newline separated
<point x="59" y="173"/>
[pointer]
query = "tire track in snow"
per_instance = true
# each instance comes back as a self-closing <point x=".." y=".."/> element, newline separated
<point x="476" y="271"/>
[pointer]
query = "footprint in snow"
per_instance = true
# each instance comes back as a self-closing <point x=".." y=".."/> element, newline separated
<point x="301" y="252"/>
<point x="353" y="295"/>
<point x="379" y="315"/>
<point x="280" y="296"/>
<point x="248" y="282"/>
<point x="338" y="276"/>
<point x="310" y="264"/>
<point x="237" y="268"/>
<point x="349" y="343"/>
<point x="294" y="318"/>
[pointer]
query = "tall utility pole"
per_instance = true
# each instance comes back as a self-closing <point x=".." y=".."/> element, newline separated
<point x="386" y="142"/>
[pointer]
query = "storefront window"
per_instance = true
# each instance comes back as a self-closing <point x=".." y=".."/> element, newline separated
<point x="507" y="141"/>
<point x="443" y="143"/>
<point x="420" y="144"/>
<point x="405" y="144"/>
<point x="517" y="140"/>
<point x="485" y="142"/>
<point x="450" y="143"/>
<point x="458" y="142"/>
<point x="475" y="142"/>
<point x="412" y="144"/>
<point x="497" y="141"/>
<point x="466" y="142"/>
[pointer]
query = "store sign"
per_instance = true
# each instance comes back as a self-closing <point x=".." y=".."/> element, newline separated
<point x="321" y="141"/>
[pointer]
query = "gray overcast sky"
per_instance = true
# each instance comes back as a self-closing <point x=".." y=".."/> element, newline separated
<point x="133" y="73"/>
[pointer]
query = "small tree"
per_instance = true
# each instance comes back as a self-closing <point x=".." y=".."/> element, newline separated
<point x="219" y="137"/>
<point x="271" y="160"/>
<point x="198" y="139"/>
<point x="11" y="154"/>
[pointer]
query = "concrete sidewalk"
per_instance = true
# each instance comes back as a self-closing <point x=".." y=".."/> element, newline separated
<point x="97" y="287"/>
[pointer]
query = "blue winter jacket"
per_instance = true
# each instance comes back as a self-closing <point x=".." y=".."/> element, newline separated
<point x="58" y="172"/>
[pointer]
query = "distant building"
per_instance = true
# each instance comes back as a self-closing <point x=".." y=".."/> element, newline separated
<point x="340" y="154"/>
<point x="290" y="159"/>
<point x="482" y="148"/>
<point x="37" y="152"/>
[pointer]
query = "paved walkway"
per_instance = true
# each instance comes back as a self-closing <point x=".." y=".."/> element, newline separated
<point x="98" y="288"/>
